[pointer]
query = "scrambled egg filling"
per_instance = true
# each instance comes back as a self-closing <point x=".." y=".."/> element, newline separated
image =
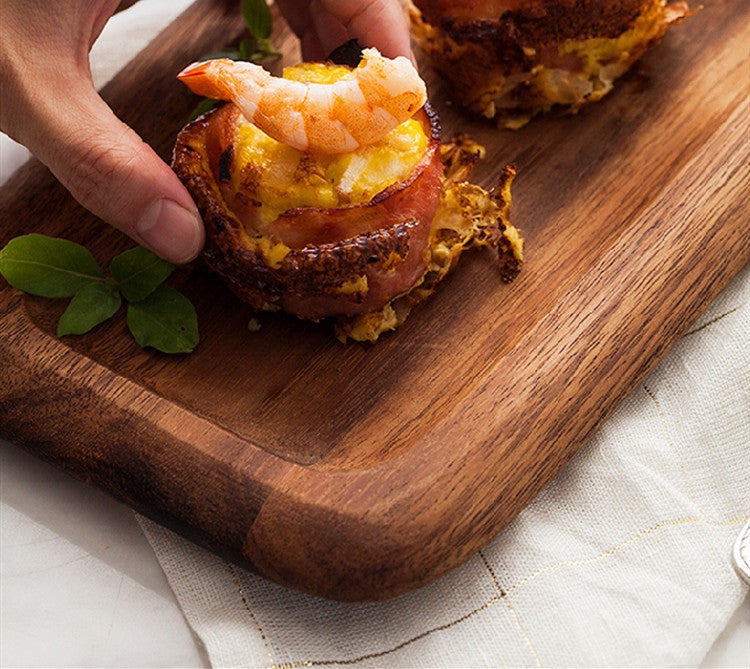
<point x="603" y="60"/>
<point x="280" y="178"/>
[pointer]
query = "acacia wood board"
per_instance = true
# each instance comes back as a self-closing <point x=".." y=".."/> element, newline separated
<point x="358" y="472"/>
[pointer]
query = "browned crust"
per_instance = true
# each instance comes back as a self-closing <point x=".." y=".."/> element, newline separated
<point x="510" y="265"/>
<point x="312" y="271"/>
<point x="459" y="155"/>
<point x="534" y="23"/>
<point x="308" y="272"/>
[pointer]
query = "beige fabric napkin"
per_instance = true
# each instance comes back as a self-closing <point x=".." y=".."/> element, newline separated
<point x="624" y="560"/>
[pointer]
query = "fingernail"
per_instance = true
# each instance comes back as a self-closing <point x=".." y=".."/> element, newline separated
<point x="171" y="231"/>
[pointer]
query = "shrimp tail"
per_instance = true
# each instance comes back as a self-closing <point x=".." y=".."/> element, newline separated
<point x="209" y="79"/>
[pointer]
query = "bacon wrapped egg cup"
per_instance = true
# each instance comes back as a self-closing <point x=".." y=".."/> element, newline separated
<point x="324" y="192"/>
<point x="514" y="58"/>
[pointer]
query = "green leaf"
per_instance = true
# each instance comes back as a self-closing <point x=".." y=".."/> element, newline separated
<point x="226" y="52"/>
<point x="139" y="272"/>
<point x="47" y="266"/>
<point x="92" y="304"/>
<point x="266" y="49"/>
<point x="257" y="17"/>
<point x="248" y="48"/>
<point x="203" y="106"/>
<point x="256" y="50"/>
<point x="166" y="320"/>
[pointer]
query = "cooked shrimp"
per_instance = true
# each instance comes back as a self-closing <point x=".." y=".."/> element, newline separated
<point x="337" y="117"/>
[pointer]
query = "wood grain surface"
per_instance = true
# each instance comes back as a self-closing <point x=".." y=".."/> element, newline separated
<point x="359" y="472"/>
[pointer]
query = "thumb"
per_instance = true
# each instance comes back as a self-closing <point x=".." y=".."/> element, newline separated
<point x="108" y="168"/>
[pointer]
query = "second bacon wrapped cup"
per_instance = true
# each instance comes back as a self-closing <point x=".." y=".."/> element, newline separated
<point x="327" y="193"/>
<point x="510" y="59"/>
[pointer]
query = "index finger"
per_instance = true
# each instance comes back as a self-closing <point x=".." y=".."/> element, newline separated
<point x="378" y="23"/>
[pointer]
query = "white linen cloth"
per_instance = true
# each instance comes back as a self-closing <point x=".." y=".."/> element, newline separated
<point x="624" y="560"/>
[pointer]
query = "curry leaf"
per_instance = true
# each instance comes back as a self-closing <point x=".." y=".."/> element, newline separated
<point x="48" y="266"/>
<point x="138" y="272"/>
<point x="266" y="50"/>
<point x="94" y="303"/>
<point x="165" y="320"/>
<point x="248" y="48"/>
<point x="226" y="52"/>
<point x="257" y="17"/>
<point x="256" y="50"/>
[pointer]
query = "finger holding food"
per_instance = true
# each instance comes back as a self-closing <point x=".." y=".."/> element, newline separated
<point x="322" y="25"/>
<point x="49" y="104"/>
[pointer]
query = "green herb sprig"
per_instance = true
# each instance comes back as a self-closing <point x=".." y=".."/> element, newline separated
<point x="257" y="47"/>
<point x="158" y="315"/>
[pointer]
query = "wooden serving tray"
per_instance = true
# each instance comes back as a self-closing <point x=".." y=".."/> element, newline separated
<point x="359" y="472"/>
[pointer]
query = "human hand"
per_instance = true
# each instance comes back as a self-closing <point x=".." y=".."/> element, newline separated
<point x="48" y="103"/>
<point x="323" y="25"/>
